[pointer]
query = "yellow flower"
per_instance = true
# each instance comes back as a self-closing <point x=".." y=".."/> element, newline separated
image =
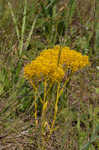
<point x="46" y="64"/>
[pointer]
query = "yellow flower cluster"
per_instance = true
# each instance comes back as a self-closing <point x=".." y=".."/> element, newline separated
<point x="46" y="65"/>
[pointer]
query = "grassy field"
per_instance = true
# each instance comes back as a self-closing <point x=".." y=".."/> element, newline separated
<point x="26" y="28"/>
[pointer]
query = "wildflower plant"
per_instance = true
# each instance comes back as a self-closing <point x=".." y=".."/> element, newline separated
<point x="51" y="68"/>
<point x="46" y="65"/>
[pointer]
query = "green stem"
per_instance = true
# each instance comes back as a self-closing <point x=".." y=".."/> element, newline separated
<point x="23" y="29"/>
<point x="56" y="109"/>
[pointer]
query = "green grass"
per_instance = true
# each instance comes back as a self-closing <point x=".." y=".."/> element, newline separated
<point x="25" y="30"/>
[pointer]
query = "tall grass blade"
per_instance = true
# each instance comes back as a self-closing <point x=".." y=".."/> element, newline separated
<point x="72" y="6"/>
<point x="14" y="20"/>
<point x="23" y="29"/>
<point x="30" y="34"/>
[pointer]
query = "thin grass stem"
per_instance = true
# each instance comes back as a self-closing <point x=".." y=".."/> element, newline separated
<point x="23" y="29"/>
<point x="30" y="34"/>
<point x="14" y="20"/>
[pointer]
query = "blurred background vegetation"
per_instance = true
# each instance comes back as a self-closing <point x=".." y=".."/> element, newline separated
<point x="75" y="23"/>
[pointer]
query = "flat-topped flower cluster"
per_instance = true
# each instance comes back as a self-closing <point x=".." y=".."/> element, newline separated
<point x="54" y="63"/>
